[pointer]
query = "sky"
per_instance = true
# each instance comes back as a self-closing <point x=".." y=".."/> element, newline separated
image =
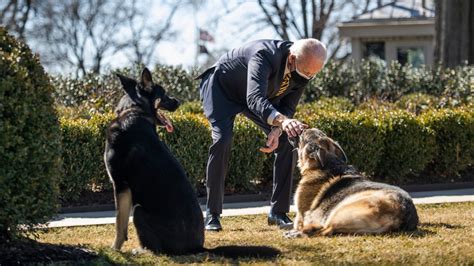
<point x="228" y="31"/>
<point x="232" y="23"/>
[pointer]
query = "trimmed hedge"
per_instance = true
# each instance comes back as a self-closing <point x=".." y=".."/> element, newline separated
<point x="30" y="140"/>
<point x="408" y="146"/>
<point x="83" y="163"/>
<point x="454" y="133"/>
<point x="189" y="143"/>
<point x="392" y="145"/>
<point x="359" y="135"/>
<point x="246" y="161"/>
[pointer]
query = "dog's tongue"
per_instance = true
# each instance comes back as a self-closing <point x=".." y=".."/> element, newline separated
<point x="165" y="121"/>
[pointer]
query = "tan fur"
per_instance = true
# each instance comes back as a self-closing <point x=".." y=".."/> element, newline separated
<point x="372" y="211"/>
<point x="123" y="205"/>
<point x="364" y="212"/>
<point x="307" y="189"/>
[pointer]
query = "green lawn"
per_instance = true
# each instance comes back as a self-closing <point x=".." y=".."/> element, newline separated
<point x="445" y="237"/>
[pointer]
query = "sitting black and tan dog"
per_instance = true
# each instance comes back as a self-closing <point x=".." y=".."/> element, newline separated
<point x="147" y="176"/>
<point x="332" y="197"/>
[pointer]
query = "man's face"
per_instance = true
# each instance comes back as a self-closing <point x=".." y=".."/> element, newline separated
<point x="307" y="66"/>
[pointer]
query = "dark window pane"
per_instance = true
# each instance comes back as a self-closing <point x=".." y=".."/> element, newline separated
<point x="413" y="56"/>
<point x="376" y="49"/>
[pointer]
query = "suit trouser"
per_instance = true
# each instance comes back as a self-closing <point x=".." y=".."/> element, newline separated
<point x="218" y="165"/>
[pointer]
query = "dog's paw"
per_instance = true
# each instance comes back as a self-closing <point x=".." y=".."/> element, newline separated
<point x="293" y="234"/>
<point x="288" y="226"/>
<point x="117" y="244"/>
<point x="115" y="247"/>
<point x="138" y="251"/>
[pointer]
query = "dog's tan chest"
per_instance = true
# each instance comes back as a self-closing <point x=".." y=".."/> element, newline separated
<point x="307" y="190"/>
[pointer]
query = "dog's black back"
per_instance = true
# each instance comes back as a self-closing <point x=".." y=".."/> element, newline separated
<point x="166" y="214"/>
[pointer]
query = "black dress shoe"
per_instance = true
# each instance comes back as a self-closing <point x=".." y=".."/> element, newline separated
<point x="280" y="219"/>
<point x="213" y="222"/>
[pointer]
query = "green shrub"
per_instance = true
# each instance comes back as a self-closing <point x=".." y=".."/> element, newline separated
<point x="394" y="145"/>
<point x="408" y="146"/>
<point x="101" y="93"/>
<point x="454" y="131"/>
<point x="194" y="107"/>
<point x="397" y="81"/>
<point x="376" y="105"/>
<point x="246" y="161"/>
<point x="358" y="133"/>
<point x="29" y="140"/>
<point x="189" y="143"/>
<point x="83" y="149"/>
<point x="417" y="103"/>
<point x="335" y="79"/>
<point x="178" y="82"/>
<point x="371" y="81"/>
<point x="333" y="104"/>
<point x="458" y="86"/>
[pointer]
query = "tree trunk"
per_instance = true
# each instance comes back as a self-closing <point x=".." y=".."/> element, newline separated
<point x="454" y="32"/>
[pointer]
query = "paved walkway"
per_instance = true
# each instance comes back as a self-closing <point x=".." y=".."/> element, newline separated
<point x="248" y="208"/>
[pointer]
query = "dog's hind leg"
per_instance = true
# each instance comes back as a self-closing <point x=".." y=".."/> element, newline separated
<point x="368" y="212"/>
<point x="146" y="235"/>
<point x="123" y="205"/>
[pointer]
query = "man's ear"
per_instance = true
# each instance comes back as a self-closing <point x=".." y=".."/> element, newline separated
<point x="147" y="79"/>
<point x="128" y="84"/>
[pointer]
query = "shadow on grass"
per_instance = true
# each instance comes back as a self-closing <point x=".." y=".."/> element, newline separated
<point x="28" y="251"/>
<point x="113" y="257"/>
<point x="443" y="225"/>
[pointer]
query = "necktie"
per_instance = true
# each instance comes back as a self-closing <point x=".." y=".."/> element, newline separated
<point x="284" y="84"/>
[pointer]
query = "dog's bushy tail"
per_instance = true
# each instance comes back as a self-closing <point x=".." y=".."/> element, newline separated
<point x="234" y="252"/>
<point x="410" y="216"/>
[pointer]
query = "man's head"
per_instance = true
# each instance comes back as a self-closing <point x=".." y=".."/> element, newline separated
<point x="307" y="57"/>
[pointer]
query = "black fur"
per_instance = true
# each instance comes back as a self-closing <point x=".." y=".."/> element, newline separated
<point x="167" y="215"/>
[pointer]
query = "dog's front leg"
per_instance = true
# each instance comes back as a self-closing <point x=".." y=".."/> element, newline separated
<point x="298" y="224"/>
<point x="123" y="205"/>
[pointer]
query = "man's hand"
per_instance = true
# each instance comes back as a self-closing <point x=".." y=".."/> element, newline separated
<point x="293" y="127"/>
<point x="272" y="140"/>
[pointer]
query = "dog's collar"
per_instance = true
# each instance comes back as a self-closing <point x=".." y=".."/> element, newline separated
<point x="340" y="169"/>
<point x="138" y="112"/>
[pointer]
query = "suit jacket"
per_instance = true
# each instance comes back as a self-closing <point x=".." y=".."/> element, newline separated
<point x="250" y="76"/>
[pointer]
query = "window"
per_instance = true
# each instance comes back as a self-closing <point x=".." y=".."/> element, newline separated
<point x="411" y="55"/>
<point x="376" y="49"/>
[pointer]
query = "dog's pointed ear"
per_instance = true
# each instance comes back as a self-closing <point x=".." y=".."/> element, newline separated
<point x="340" y="152"/>
<point x="147" y="79"/>
<point x="128" y="84"/>
<point x="317" y="153"/>
<point x="334" y="147"/>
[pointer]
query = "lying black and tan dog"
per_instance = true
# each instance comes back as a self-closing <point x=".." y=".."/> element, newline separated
<point x="147" y="176"/>
<point x="332" y="197"/>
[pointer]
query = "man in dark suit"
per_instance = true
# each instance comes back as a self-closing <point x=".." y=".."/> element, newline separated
<point x="263" y="80"/>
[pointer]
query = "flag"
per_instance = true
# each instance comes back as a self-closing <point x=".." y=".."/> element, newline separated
<point x="203" y="49"/>
<point x="204" y="35"/>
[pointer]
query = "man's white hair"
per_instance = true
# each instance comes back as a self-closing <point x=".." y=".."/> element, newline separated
<point x="307" y="47"/>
